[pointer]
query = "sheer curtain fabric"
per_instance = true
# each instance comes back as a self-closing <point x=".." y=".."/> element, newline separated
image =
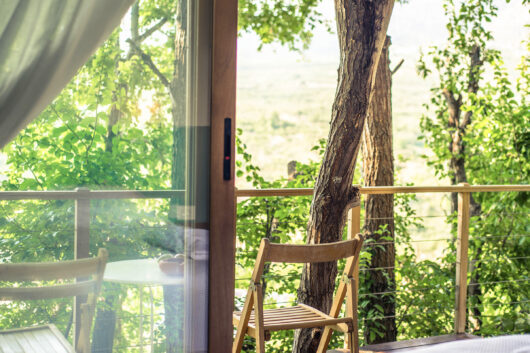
<point x="42" y="45"/>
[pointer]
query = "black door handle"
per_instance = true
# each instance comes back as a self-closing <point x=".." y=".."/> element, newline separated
<point x="227" y="156"/>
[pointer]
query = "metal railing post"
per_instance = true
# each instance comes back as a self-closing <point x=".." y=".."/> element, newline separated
<point x="462" y="247"/>
<point x="81" y="245"/>
<point x="354" y="227"/>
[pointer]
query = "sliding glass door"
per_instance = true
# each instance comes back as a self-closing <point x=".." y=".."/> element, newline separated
<point x="122" y="160"/>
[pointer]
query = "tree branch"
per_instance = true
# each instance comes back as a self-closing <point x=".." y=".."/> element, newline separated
<point x="453" y="105"/>
<point x="149" y="62"/>
<point x="474" y="69"/>
<point x="397" y="66"/>
<point x="466" y="121"/>
<point x="52" y="106"/>
<point x="151" y="30"/>
<point x="354" y="197"/>
<point x="135" y="15"/>
<point x="474" y="77"/>
<point x="140" y="38"/>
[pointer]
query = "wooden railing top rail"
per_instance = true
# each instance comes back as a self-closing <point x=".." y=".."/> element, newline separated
<point x="386" y="190"/>
<point x="89" y="194"/>
<point x="162" y="194"/>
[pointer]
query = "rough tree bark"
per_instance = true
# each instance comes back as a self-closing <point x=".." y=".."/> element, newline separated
<point x="378" y="170"/>
<point x="361" y="28"/>
<point x="458" y="123"/>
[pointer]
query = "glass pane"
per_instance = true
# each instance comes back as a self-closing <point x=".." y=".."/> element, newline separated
<point x="126" y="147"/>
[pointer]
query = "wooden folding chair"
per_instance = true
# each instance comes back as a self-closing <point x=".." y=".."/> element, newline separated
<point x="47" y="338"/>
<point x="258" y="323"/>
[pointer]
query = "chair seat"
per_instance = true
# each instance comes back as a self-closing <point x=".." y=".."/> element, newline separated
<point x="38" y="339"/>
<point x="299" y="316"/>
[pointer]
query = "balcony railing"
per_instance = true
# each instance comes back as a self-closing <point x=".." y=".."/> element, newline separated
<point x="82" y="198"/>
<point x="462" y="234"/>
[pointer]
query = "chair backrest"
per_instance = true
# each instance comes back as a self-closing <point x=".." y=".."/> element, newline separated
<point x="311" y="253"/>
<point x="88" y="274"/>
<point x="43" y="271"/>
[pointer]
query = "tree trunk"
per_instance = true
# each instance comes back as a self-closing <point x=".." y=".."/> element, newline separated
<point x="458" y="124"/>
<point x="105" y="322"/>
<point x="378" y="170"/>
<point x="361" y="27"/>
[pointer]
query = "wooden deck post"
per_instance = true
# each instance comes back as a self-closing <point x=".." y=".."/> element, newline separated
<point x="462" y="246"/>
<point x="354" y="227"/>
<point x="81" y="246"/>
<point x="354" y="221"/>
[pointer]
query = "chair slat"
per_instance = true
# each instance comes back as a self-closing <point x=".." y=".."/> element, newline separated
<point x="303" y="324"/>
<point x="294" y="315"/>
<point x="289" y="315"/>
<point x="311" y="253"/>
<point x="79" y="270"/>
<point x="48" y="292"/>
<point x="48" y="270"/>
<point x="297" y="316"/>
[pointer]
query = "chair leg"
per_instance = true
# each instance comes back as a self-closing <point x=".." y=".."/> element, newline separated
<point x="260" y="344"/>
<point x="354" y="338"/>
<point x="354" y="341"/>
<point x="324" y="340"/>
<point x="83" y="343"/>
<point x="238" y="345"/>
<point x="243" y="323"/>
<point x="238" y="341"/>
<point x="258" y="319"/>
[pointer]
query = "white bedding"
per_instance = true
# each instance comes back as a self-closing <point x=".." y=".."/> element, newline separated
<point x="501" y="344"/>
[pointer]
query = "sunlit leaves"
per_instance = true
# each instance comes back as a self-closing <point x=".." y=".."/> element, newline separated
<point x="495" y="145"/>
<point x="289" y="23"/>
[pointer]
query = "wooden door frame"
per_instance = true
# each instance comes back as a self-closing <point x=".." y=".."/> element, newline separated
<point x="222" y="192"/>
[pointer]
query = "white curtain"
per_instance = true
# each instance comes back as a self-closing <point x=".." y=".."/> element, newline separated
<point x="42" y="45"/>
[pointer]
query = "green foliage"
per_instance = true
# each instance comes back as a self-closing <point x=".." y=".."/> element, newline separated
<point x="496" y="152"/>
<point x="424" y="287"/>
<point x="289" y="23"/>
<point x="286" y="22"/>
<point x="451" y="64"/>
